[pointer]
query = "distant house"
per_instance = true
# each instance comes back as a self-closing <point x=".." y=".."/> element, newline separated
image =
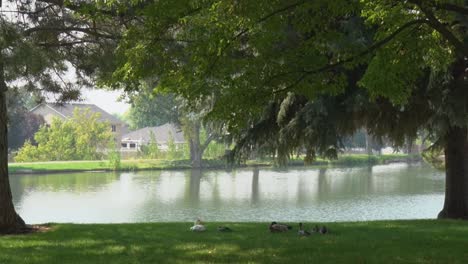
<point x="162" y="134"/>
<point x="49" y="111"/>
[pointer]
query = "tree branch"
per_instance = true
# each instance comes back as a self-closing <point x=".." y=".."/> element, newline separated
<point x="460" y="47"/>
<point x="246" y="30"/>
<point x="369" y="50"/>
<point x="208" y="140"/>
<point x="69" y="29"/>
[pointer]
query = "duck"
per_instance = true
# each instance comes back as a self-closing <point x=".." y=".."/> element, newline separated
<point x="224" y="229"/>
<point x="302" y="232"/>
<point x="323" y="230"/>
<point x="316" y="229"/>
<point x="276" y="227"/>
<point x="198" y="226"/>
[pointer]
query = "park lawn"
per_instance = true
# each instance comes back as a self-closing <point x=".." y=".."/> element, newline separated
<point x="126" y="165"/>
<point x="159" y="164"/>
<point x="412" y="241"/>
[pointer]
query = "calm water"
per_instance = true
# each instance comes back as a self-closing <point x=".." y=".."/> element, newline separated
<point x="397" y="191"/>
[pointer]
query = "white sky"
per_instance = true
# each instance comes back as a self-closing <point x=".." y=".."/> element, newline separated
<point x="107" y="100"/>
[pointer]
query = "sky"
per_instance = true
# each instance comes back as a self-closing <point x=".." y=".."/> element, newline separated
<point x="107" y="100"/>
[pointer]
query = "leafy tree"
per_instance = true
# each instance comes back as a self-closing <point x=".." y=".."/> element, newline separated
<point x="22" y="125"/>
<point x="36" y="39"/>
<point x="151" y="150"/>
<point x="149" y="109"/>
<point x="308" y="72"/>
<point x="82" y="137"/>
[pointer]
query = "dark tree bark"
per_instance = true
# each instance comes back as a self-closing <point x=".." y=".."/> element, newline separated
<point x="456" y="170"/>
<point x="10" y="221"/>
<point x="196" y="152"/>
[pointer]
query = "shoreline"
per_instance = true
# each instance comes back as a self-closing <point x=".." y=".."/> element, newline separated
<point x="55" y="167"/>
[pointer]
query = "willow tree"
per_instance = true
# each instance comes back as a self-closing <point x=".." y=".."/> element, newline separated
<point x="37" y="39"/>
<point x="248" y="54"/>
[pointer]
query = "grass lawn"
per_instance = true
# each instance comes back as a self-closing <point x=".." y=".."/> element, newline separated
<point x="413" y="241"/>
<point x="148" y="164"/>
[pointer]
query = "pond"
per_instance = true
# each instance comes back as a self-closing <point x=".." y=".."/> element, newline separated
<point x="395" y="191"/>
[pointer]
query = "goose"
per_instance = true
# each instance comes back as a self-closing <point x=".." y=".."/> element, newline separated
<point x="275" y="227"/>
<point x="323" y="230"/>
<point x="198" y="226"/>
<point x="302" y="232"/>
<point x="316" y="229"/>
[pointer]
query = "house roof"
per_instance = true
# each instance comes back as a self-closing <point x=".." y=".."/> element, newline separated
<point x="161" y="133"/>
<point x="66" y="110"/>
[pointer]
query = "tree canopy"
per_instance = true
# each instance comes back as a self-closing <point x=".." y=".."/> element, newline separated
<point x="284" y="75"/>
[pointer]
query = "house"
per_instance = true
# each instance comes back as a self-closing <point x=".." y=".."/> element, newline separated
<point x="64" y="111"/>
<point x="161" y="134"/>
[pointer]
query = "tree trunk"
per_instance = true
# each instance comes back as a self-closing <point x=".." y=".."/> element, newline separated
<point x="456" y="170"/>
<point x="195" y="154"/>
<point x="10" y="221"/>
<point x="196" y="151"/>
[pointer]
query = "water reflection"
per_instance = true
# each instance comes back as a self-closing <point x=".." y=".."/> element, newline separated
<point x="328" y="194"/>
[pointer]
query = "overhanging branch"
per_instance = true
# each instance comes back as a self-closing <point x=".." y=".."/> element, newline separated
<point x="369" y="50"/>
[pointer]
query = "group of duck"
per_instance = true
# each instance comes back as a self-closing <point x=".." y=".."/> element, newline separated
<point x="275" y="227"/>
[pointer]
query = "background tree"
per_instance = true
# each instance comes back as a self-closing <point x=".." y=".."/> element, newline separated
<point x="82" y="137"/>
<point x="306" y="58"/>
<point x="149" y="109"/>
<point x="22" y="125"/>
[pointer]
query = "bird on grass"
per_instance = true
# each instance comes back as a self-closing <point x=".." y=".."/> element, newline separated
<point x="224" y="229"/>
<point x="277" y="228"/>
<point x="321" y="230"/>
<point x="198" y="226"/>
<point x="302" y="232"/>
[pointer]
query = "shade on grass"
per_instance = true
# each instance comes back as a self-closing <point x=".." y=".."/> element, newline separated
<point x="416" y="241"/>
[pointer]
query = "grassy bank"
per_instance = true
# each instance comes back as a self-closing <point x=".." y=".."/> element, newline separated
<point x="415" y="241"/>
<point x="130" y="165"/>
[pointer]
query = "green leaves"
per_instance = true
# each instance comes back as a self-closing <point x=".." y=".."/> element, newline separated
<point x="82" y="137"/>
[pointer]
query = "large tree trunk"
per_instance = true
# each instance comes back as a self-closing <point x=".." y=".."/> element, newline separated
<point x="196" y="152"/>
<point x="10" y="221"/>
<point x="456" y="170"/>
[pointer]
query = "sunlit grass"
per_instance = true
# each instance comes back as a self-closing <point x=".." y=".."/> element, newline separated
<point x="159" y="164"/>
<point x="415" y="241"/>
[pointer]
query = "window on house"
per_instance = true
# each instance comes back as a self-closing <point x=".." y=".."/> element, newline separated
<point x="132" y="145"/>
<point x="124" y="145"/>
<point x="114" y="128"/>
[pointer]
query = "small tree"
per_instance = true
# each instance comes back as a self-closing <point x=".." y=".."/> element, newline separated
<point x="83" y="137"/>
<point x="172" y="152"/>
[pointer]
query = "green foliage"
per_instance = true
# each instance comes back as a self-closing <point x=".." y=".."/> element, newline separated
<point x="113" y="156"/>
<point x="172" y="152"/>
<point x="151" y="151"/>
<point x="83" y="137"/>
<point x="149" y="109"/>
<point x="293" y="72"/>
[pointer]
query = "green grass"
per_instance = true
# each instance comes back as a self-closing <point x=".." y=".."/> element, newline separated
<point x="147" y="164"/>
<point x="126" y="165"/>
<point x="414" y="241"/>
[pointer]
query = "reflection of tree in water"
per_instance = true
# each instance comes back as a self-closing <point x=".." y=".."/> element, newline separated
<point x="255" y="194"/>
<point x="194" y="186"/>
<point x="78" y="182"/>
<point x="323" y="185"/>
